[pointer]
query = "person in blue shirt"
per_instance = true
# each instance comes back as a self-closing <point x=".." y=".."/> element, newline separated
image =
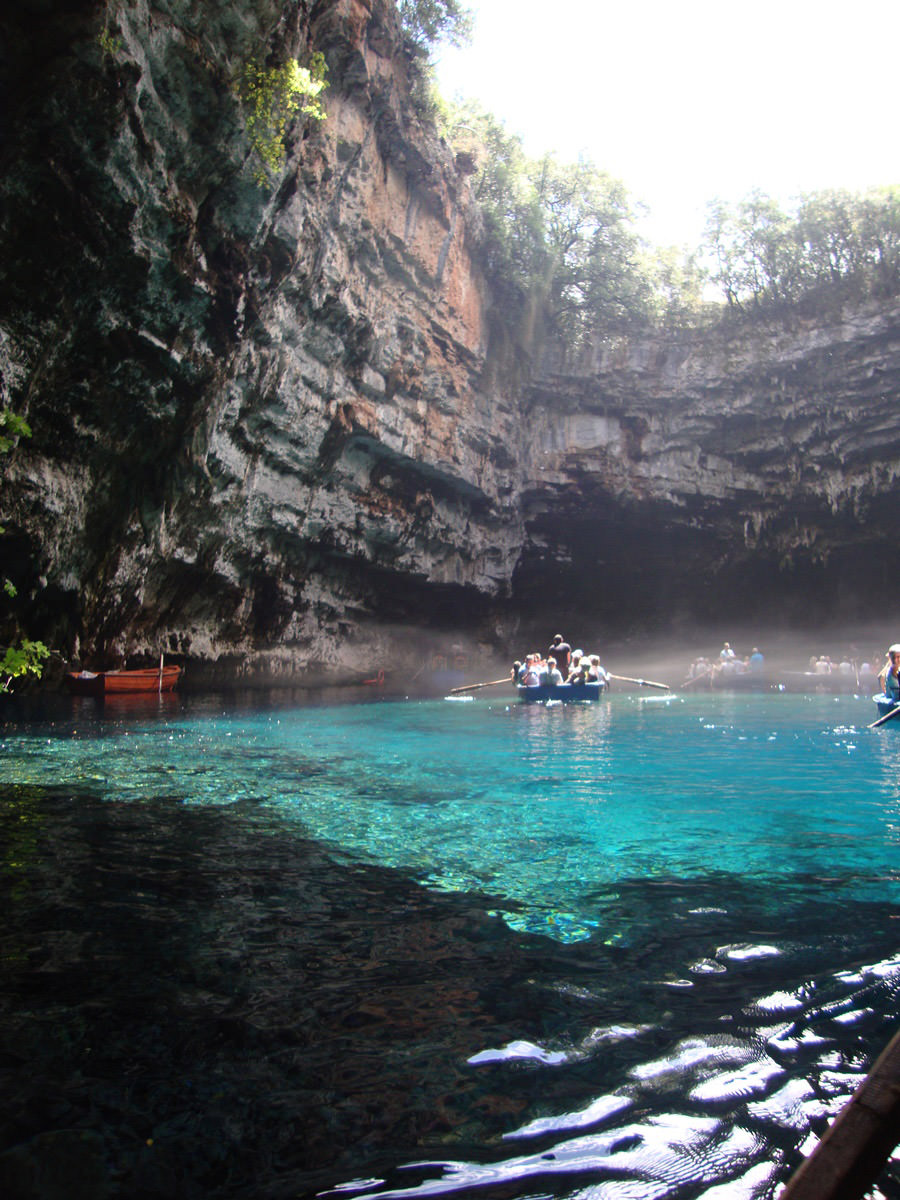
<point x="889" y="677"/>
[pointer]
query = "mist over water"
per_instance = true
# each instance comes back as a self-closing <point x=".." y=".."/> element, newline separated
<point x="667" y="656"/>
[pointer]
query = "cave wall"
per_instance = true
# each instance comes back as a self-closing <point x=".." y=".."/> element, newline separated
<point x="750" y="472"/>
<point x="272" y="425"/>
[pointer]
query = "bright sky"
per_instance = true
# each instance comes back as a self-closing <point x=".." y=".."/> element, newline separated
<point x="688" y="100"/>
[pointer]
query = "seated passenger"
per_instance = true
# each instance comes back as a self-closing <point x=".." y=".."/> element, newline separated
<point x="574" y="665"/>
<point x="582" y="673"/>
<point x="554" y="675"/>
<point x="598" y="673"/>
<point x="889" y="676"/>
<point x="531" y="676"/>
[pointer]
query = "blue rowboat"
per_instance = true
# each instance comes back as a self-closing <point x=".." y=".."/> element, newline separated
<point x="886" y="705"/>
<point x="560" y="691"/>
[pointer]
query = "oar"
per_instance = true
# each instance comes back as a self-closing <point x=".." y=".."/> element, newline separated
<point x="852" y="1152"/>
<point x="886" y="717"/>
<point x="694" y="679"/>
<point x="643" y="682"/>
<point x="470" y="687"/>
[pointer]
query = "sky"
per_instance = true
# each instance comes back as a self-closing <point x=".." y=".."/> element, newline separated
<point x="686" y="101"/>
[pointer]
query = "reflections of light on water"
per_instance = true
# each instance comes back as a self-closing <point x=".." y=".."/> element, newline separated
<point x="749" y="1085"/>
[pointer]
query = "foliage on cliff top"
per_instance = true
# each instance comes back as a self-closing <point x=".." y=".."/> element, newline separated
<point x="427" y="23"/>
<point x="832" y="245"/>
<point x="561" y="242"/>
<point x="560" y="246"/>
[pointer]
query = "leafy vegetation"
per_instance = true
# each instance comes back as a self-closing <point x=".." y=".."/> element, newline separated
<point x="26" y="658"/>
<point x="426" y="23"/>
<point x="271" y="97"/>
<point x="833" y="244"/>
<point x="109" y="44"/>
<point x="559" y="242"/>
<point x="560" y="246"/>
<point x="12" y="426"/>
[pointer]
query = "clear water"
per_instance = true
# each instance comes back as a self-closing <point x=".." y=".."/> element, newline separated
<point x="689" y="908"/>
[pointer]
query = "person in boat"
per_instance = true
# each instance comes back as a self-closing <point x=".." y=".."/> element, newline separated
<point x="561" y="651"/>
<point x="726" y="654"/>
<point x="889" y="677"/>
<point x="598" y="673"/>
<point x="581" y="673"/>
<point x="554" y="675"/>
<point x="574" y="666"/>
<point x="757" y="660"/>
<point x="532" y="675"/>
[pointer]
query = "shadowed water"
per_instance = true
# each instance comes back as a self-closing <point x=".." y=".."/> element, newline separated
<point x="634" y="949"/>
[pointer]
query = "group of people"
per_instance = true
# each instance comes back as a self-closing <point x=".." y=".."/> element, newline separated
<point x="728" y="662"/>
<point x="851" y="664"/>
<point x="560" y="664"/>
<point x="848" y="664"/>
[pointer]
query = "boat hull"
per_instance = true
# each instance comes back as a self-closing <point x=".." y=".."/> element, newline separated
<point x="113" y="683"/>
<point x="884" y="706"/>
<point x="560" y="691"/>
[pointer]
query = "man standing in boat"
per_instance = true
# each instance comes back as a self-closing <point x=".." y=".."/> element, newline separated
<point x="561" y="651"/>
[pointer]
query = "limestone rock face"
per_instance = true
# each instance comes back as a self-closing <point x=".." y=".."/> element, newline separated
<point x="751" y="475"/>
<point x="271" y="426"/>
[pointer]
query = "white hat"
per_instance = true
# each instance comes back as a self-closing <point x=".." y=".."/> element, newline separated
<point x="895" y="649"/>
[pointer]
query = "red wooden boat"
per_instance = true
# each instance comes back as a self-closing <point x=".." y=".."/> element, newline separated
<point x="110" y="683"/>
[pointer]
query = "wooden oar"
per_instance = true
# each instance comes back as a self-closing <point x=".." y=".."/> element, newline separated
<point x="643" y="682"/>
<point x="855" y="1148"/>
<point x="886" y="717"/>
<point x="470" y="687"/>
<point x="696" y="678"/>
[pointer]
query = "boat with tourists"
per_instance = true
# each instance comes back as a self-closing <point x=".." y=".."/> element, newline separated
<point x="561" y="691"/>
<point x="106" y="683"/>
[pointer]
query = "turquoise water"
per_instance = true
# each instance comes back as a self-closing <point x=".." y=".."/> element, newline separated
<point x="543" y="807"/>
<point x="638" y="948"/>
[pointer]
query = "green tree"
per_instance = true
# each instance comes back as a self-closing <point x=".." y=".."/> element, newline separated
<point x="427" y="23"/>
<point x="559" y="244"/>
<point x="26" y="657"/>
<point x="592" y="272"/>
<point x="878" y="218"/>
<point x="832" y="245"/>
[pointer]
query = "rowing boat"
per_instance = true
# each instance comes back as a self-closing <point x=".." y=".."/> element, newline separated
<point x="560" y="691"/>
<point x="106" y="683"/>
<point x="885" y="705"/>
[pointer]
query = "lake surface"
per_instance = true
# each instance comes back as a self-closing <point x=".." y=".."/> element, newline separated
<point x="636" y="949"/>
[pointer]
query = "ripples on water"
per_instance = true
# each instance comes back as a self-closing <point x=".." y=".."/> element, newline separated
<point x="635" y="949"/>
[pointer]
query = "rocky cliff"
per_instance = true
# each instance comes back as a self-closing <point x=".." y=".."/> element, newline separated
<point x="273" y="425"/>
